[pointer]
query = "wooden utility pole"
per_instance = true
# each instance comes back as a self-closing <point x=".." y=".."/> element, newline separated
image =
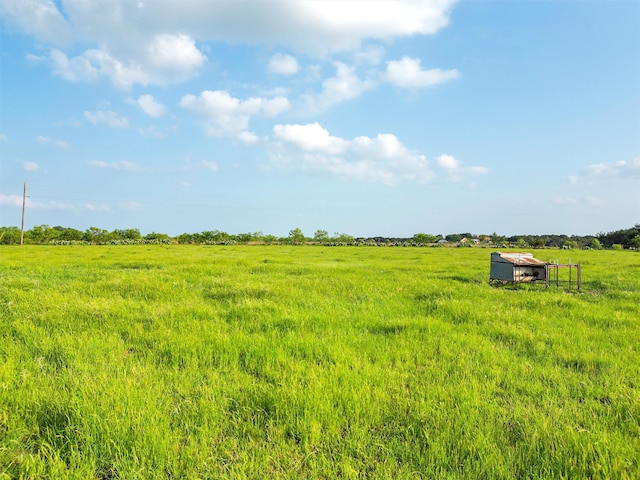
<point x="24" y="202"/>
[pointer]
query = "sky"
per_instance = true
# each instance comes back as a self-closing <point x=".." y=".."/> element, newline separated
<point x="363" y="117"/>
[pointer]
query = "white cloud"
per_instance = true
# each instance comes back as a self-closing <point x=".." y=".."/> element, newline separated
<point x="594" y="201"/>
<point x="151" y="132"/>
<point x="370" y="55"/>
<point x="129" y="40"/>
<point x="3" y="137"/>
<point x="623" y="169"/>
<point x="40" y="18"/>
<point x="344" y="86"/>
<point x="130" y="205"/>
<point x="30" y="166"/>
<point x="311" y="138"/>
<point x="229" y="116"/>
<point x="448" y="162"/>
<point x="150" y="106"/>
<point x="51" y="141"/>
<point x="11" y="200"/>
<point x="407" y="73"/>
<point x="283" y="64"/>
<point x="454" y="171"/>
<point x="248" y="138"/>
<point x="92" y="207"/>
<point x="211" y="166"/>
<point x="310" y="148"/>
<point x="564" y="200"/>
<point x="120" y="165"/>
<point x="16" y="201"/>
<point x="164" y="60"/>
<point x="108" y="118"/>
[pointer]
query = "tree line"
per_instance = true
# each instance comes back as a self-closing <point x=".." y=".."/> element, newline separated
<point x="44" y="234"/>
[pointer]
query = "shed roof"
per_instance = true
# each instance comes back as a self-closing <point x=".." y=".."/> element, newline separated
<point x="516" y="258"/>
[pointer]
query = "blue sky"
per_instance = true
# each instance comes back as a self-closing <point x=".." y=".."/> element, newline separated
<point x="365" y="117"/>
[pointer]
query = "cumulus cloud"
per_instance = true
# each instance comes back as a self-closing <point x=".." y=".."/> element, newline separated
<point x="211" y="166"/>
<point x="454" y="170"/>
<point x="227" y="116"/>
<point x="30" y="166"/>
<point x="11" y="200"/>
<point x="346" y="85"/>
<point x="311" y="148"/>
<point x="623" y="169"/>
<point x="31" y="204"/>
<point x="370" y="55"/>
<point x="108" y="118"/>
<point x="51" y="141"/>
<point x="150" y="106"/>
<point x="120" y="165"/>
<point x="135" y="41"/>
<point x="40" y="18"/>
<point x="448" y="162"/>
<point x="93" y="207"/>
<point x="283" y="64"/>
<point x="151" y="132"/>
<point x="408" y="73"/>
<point x="165" y="59"/>
<point x="16" y="201"/>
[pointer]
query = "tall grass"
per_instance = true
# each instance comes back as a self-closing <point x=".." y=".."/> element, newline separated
<point x="313" y="362"/>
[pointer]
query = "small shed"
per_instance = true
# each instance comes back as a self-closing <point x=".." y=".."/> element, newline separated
<point x="517" y="267"/>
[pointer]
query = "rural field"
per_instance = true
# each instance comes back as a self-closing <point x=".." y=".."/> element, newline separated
<point x="187" y="362"/>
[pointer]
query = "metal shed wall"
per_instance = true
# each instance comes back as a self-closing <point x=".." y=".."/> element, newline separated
<point x="516" y="267"/>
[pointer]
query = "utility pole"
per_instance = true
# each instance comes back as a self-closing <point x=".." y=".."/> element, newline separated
<point x="24" y="202"/>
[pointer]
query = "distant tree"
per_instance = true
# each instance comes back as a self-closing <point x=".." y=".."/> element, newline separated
<point x="154" y="237"/>
<point x="498" y="239"/>
<point x="296" y="236"/>
<point x="521" y="243"/>
<point x="635" y="242"/>
<point x="184" y="238"/>
<point x="214" y="236"/>
<point x="95" y="235"/>
<point x="595" y="244"/>
<point x="244" y="237"/>
<point x="321" y="236"/>
<point x="622" y="237"/>
<point x="539" y="242"/>
<point x="424" y="238"/>
<point x="9" y="235"/>
<point x="454" y="237"/>
<point x="570" y="244"/>
<point x="269" y="239"/>
<point x="132" y="234"/>
<point x="343" y="238"/>
<point x="71" y="235"/>
<point x="41" y="234"/>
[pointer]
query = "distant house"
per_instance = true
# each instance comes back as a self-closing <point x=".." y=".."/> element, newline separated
<point x="442" y="241"/>
<point x="468" y="241"/>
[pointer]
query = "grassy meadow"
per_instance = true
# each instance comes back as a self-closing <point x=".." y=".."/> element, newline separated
<point x="185" y="362"/>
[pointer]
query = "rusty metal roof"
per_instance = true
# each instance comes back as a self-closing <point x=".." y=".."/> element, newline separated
<point x="519" y="258"/>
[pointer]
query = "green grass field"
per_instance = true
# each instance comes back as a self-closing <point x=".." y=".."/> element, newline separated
<point x="192" y="362"/>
